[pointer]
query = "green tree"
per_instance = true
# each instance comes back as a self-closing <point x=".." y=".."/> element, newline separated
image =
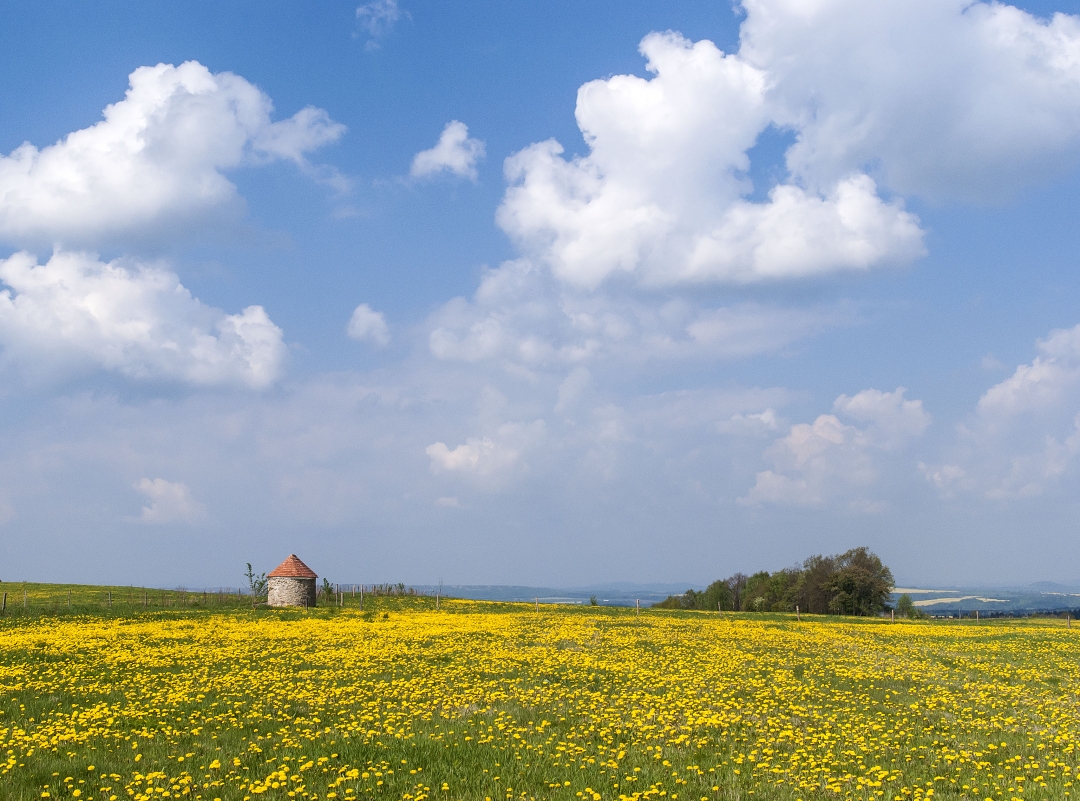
<point x="812" y="594"/>
<point x="905" y="606"/>
<point x="737" y="584"/>
<point x="717" y="597"/>
<point x="861" y="584"/>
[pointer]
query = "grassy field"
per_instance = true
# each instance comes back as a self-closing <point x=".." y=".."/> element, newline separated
<point x="36" y="599"/>
<point x="496" y="702"/>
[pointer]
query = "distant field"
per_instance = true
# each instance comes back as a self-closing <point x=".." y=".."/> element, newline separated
<point x="496" y="702"/>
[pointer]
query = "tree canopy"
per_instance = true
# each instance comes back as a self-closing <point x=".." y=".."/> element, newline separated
<point x="852" y="583"/>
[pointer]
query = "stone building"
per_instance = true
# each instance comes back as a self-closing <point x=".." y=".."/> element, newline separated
<point x="292" y="583"/>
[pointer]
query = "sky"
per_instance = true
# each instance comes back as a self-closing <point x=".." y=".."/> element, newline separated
<point x="553" y="293"/>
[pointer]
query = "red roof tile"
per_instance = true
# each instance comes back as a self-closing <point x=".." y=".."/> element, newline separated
<point x="292" y="568"/>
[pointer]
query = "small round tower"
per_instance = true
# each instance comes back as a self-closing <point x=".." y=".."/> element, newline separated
<point x="292" y="583"/>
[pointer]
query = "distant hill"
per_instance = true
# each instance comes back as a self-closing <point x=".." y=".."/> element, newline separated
<point x="1043" y="596"/>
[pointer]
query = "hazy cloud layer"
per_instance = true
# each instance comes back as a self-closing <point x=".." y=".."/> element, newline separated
<point x="1025" y="432"/>
<point x="520" y="315"/>
<point x="831" y="461"/>
<point x="169" y="502"/>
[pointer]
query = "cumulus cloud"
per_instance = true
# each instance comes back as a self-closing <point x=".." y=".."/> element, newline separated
<point x="950" y="99"/>
<point x="455" y="152"/>
<point x="76" y="312"/>
<point x="368" y="325"/>
<point x="829" y="460"/>
<point x="660" y="195"/>
<point x="155" y="162"/>
<point x="1025" y="431"/>
<point x="943" y="98"/>
<point x="170" y="502"/>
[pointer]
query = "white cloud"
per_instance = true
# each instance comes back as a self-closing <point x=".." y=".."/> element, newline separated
<point x="894" y="419"/>
<point x="368" y="325"/>
<point x="758" y="424"/>
<point x="660" y="193"/>
<point x="490" y="457"/>
<point x="449" y="502"/>
<point x="1038" y="386"/>
<point x="455" y="152"/>
<point x="170" y="502"/>
<point x="1025" y="432"/>
<point x="828" y="460"/>
<point x="942" y="98"/>
<point x="76" y="312"/>
<point x="155" y="162"/>
<point x="378" y="18"/>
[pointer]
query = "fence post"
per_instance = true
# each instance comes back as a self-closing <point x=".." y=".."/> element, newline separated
<point x="436" y="601"/>
<point x="537" y="604"/>
<point x="361" y="597"/>
<point x="24" y="598"/>
<point x="798" y="617"/>
<point x="110" y="599"/>
<point x="3" y="605"/>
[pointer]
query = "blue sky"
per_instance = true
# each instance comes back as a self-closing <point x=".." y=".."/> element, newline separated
<point x="539" y="293"/>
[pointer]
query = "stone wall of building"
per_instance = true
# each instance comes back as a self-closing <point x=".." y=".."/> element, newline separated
<point x="288" y="591"/>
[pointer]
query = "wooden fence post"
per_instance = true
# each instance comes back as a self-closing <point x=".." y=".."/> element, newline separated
<point x="798" y="617"/>
<point x="3" y="605"/>
<point x="361" y="597"/>
<point x="537" y="604"/>
<point x="110" y="599"/>
<point x="24" y="598"/>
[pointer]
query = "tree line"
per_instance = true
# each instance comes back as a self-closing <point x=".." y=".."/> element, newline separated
<point x="852" y="583"/>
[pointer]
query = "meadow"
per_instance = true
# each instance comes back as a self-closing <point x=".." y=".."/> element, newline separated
<point x="497" y="702"/>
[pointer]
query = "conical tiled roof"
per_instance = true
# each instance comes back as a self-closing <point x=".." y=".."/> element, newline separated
<point x="292" y="568"/>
